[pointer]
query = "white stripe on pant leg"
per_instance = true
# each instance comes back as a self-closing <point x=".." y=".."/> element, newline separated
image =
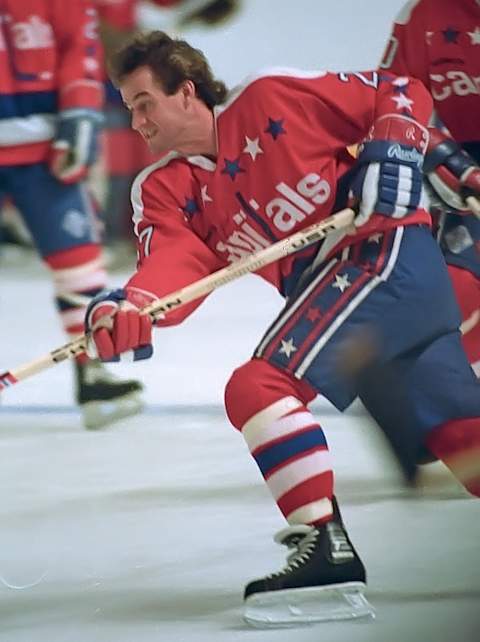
<point x="294" y="307"/>
<point x="299" y="471"/>
<point x="354" y="303"/>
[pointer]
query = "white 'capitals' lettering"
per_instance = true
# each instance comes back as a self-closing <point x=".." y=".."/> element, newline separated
<point x="457" y="82"/>
<point x="285" y="210"/>
<point x="34" y="33"/>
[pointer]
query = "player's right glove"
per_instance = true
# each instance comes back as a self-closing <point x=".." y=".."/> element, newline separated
<point x="389" y="178"/>
<point x="115" y="326"/>
<point x="452" y="173"/>
<point x="74" y="148"/>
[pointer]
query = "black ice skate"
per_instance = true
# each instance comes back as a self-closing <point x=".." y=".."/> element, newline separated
<point x="103" y="398"/>
<point x="324" y="580"/>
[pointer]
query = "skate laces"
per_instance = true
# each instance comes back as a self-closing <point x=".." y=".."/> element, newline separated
<point x="303" y="539"/>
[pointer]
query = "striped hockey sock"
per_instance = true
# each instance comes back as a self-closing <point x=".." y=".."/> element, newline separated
<point x="291" y="451"/>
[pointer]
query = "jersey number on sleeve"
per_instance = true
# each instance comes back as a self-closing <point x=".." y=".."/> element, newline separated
<point x="144" y="240"/>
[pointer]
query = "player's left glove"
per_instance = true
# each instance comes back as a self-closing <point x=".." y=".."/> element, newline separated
<point x="389" y="169"/>
<point x="452" y="173"/>
<point x="74" y="148"/>
<point x="115" y="326"/>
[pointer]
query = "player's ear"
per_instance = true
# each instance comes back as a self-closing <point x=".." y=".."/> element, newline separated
<point x="188" y="91"/>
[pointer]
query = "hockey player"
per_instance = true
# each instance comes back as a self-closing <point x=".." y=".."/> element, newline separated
<point x="243" y="171"/>
<point x="438" y="41"/>
<point x="50" y="113"/>
<point x="125" y="154"/>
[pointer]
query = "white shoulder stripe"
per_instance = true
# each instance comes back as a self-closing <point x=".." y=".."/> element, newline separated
<point x="405" y="12"/>
<point x="136" y="191"/>
<point x="265" y="73"/>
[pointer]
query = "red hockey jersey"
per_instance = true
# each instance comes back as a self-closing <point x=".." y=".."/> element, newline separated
<point x="50" y="59"/>
<point x="438" y="41"/>
<point x="118" y="13"/>
<point x="281" y="141"/>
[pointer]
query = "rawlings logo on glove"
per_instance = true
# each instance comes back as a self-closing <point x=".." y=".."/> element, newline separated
<point x="405" y="155"/>
<point x="389" y="179"/>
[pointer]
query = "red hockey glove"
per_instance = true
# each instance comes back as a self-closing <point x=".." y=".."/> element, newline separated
<point x="389" y="179"/>
<point x="115" y="326"/>
<point x="452" y="173"/>
<point x="74" y="149"/>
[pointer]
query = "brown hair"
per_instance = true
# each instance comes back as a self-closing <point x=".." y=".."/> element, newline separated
<point x="172" y="62"/>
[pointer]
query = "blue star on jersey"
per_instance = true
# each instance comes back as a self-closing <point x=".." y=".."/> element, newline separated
<point x="191" y="207"/>
<point x="275" y="128"/>
<point x="450" y="35"/>
<point x="232" y="168"/>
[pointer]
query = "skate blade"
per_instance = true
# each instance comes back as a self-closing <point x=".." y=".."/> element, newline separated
<point x="308" y="605"/>
<point x="99" y="414"/>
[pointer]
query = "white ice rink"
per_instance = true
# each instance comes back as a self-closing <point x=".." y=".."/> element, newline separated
<point x="148" y="531"/>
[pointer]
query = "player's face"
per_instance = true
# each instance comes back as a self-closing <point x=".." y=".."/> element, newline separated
<point x="159" y="118"/>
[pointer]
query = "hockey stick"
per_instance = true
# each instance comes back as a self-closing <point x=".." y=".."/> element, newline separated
<point x="298" y="241"/>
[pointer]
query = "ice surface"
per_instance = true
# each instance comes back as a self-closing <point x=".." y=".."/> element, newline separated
<point x="150" y="530"/>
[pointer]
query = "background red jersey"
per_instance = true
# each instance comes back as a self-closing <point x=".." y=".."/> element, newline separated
<point x="438" y="41"/>
<point x="50" y="60"/>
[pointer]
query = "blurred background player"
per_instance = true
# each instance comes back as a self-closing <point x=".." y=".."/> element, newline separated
<point x="51" y="100"/>
<point x="239" y="172"/>
<point x="124" y="152"/>
<point x="438" y="41"/>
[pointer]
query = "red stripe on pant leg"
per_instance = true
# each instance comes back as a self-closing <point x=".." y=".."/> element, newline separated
<point x="317" y="330"/>
<point x="344" y="300"/>
<point x="384" y="251"/>
<point x="457" y="444"/>
<point x="311" y="490"/>
<point x="286" y="327"/>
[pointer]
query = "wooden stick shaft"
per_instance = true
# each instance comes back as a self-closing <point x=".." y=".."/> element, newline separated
<point x="202" y="287"/>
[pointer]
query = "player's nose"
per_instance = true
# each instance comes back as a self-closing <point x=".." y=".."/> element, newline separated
<point x="137" y="121"/>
